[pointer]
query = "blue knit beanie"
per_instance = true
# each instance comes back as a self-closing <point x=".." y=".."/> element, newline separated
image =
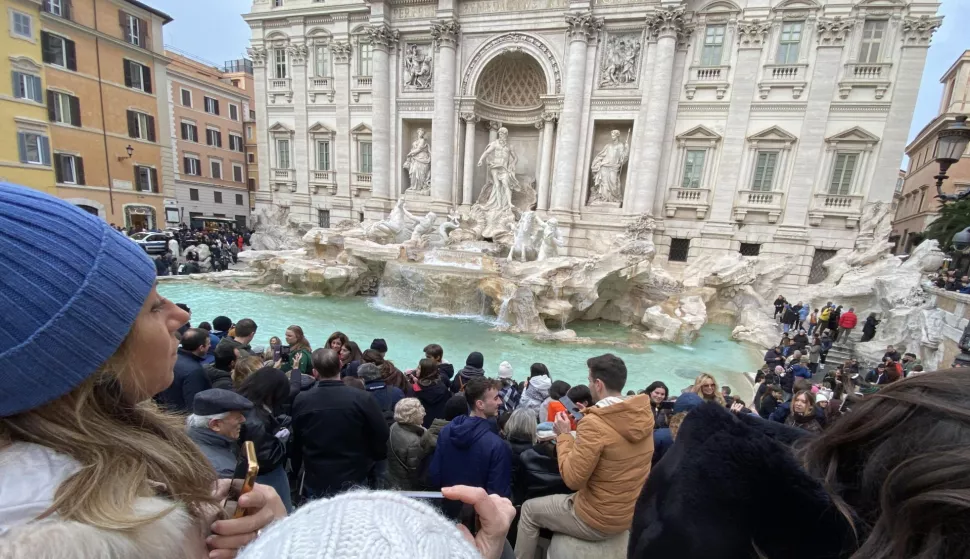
<point x="70" y="289"/>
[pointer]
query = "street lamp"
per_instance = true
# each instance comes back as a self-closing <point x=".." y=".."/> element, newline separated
<point x="951" y="144"/>
<point x="129" y="150"/>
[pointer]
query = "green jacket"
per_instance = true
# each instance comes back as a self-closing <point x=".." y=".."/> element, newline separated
<point x="302" y="361"/>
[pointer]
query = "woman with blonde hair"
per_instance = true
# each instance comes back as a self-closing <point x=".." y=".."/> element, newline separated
<point x="89" y="465"/>
<point x="706" y="387"/>
<point x="245" y="367"/>
<point x="299" y="352"/>
<point x="404" y="454"/>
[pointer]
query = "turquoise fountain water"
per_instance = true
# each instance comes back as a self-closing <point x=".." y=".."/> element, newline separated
<point x="407" y="333"/>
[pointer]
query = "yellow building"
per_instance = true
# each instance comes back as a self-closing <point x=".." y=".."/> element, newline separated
<point x="25" y="147"/>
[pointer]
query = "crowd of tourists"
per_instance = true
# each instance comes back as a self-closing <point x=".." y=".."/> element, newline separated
<point x="120" y="425"/>
<point x="191" y="251"/>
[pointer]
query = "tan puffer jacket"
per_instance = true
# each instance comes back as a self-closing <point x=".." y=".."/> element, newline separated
<point x="608" y="462"/>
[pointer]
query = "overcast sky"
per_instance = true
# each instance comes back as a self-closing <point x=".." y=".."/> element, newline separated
<point x="214" y="30"/>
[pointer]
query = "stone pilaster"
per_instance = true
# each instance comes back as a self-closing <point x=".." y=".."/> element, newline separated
<point x="751" y="38"/>
<point x="580" y="27"/>
<point x="468" y="176"/>
<point x="667" y="25"/>
<point x="297" y="54"/>
<point x="548" y="121"/>
<point x="383" y="38"/>
<point x="263" y="192"/>
<point x="343" y="147"/>
<point x="445" y="35"/>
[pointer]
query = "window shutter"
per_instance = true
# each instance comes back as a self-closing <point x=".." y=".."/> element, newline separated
<point x="122" y="21"/>
<point x="45" y="150"/>
<point x="22" y="146"/>
<point x="142" y="34"/>
<point x="79" y="170"/>
<point x="216" y="103"/>
<point x="16" y="87"/>
<point x="45" y="46"/>
<point x="138" y="186"/>
<point x="127" y="65"/>
<point x="185" y="165"/>
<point x="58" y="170"/>
<point x="218" y="136"/>
<point x="146" y="78"/>
<point x="66" y="9"/>
<point x="132" y="125"/>
<point x="151" y="129"/>
<point x="154" y="173"/>
<point x="36" y="92"/>
<point x="51" y="100"/>
<point x="47" y="6"/>
<point x="71" y="55"/>
<point x="75" y="111"/>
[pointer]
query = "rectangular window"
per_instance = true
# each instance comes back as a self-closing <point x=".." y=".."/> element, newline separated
<point x="873" y="33"/>
<point x="63" y="108"/>
<point x="713" y="45"/>
<point x="240" y="222"/>
<point x="251" y="183"/>
<point x="34" y="148"/>
<point x="233" y="112"/>
<point x="249" y="132"/>
<point x="55" y="7"/>
<point x="141" y="126"/>
<point x="27" y="86"/>
<point x="138" y="76"/>
<point x="239" y="199"/>
<point x="764" y="171"/>
<point x="194" y="194"/>
<point x="789" y="42"/>
<point x="252" y="157"/>
<point x="58" y="51"/>
<point x="282" y="154"/>
<point x="68" y="169"/>
<point x="192" y="165"/>
<point x="215" y="168"/>
<point x="211" y="105"/>
<point x="186" y="98"/>
<point x="693" y="168"/>
<point x="678" y="250"/>
<point x="842" y="173"/>
<point x="749" y="249"/>
<point x="133" y="29"/>
<point x="235" y="142"/>
<point x="323" y="156"/>
<point x="217" y="197"/>
<point x="365" y="59"/>
<point x="323" y="218"/>
<point x="146" y="179"/>
<point x="365" y="161"/>
<point x="277" y="3"/>
<point x="237" y="172"/>
<point x="21" y="25"/>
<point x="279" y="64"/>
<point x="190" y="132"/>
<point x="213" y="137"/>
<point x="321" y="61"/>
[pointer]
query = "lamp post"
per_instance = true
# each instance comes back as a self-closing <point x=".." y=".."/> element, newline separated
<point x="129" y="150"/>
<point x="951" y="144"/>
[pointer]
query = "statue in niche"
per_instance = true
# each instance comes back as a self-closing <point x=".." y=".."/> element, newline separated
<point x="501" y="160"/>
<point x="418" y="164"/>
<point x="417" y="69"/>
<point x="396" y="228"/>
<point x="550" y="240"/>
<point x="606" y="169"/>
<point x="620" y="62"/>
<point x="526" y="236"/>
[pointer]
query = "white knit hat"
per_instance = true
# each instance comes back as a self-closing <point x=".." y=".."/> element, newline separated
<point x="362" y="525"/>
<point x="505" y="370"/>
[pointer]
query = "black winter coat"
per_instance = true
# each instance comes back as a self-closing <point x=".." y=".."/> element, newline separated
<point x="219" y="378"/>
<point x="339" y="433"/>
<point x="433" y="397"/>
<point x="730" y="483"/>
<point x="189" y="379"/>
<point x="261" y="428"/>
<point x="538" y="473"/>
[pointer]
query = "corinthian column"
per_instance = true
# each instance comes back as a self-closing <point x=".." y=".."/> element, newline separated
<point x="383" y="38"/>
<point x="666" y="24"/>
<point x="580" y="26"/>
<point x="468" y="178"/>
<point x="548" y="121"/>
<point x="445" y="35"/>
<point x="342" y="144"/>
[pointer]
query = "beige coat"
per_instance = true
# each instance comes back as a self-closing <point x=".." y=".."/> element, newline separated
<point x="608" y="462"/>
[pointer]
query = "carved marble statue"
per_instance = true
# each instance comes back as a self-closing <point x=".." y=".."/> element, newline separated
<point x="620" y="62"/>
<point x="425" y="225"/>
<point x="501" y="160"/>
<point x="526" y="236"/>
<point x="417" y="68"/>
<point x="396" y="228"/>
<point x="606" y="168"/>
<point x="550" y="240"/>
<point x="418" y="164"/>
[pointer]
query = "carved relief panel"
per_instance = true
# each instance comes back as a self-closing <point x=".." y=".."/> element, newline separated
<point x="620" y="60"/>
<point x="417" y="67"/>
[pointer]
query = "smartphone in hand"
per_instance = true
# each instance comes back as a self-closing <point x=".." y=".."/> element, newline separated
<point x="571" y="408"/>
<point x="456" y="511"/>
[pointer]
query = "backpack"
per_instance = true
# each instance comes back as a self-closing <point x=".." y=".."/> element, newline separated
<point x="826" y="313"/>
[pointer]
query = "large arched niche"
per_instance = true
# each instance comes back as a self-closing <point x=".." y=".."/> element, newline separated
<point x="518" y="44"/>
<point x="513" y="80"/>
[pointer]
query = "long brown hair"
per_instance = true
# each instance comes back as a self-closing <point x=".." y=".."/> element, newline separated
<point x="898" y="467"/>
<point x="301" y="342"/>
<point x="126" y="450"/>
